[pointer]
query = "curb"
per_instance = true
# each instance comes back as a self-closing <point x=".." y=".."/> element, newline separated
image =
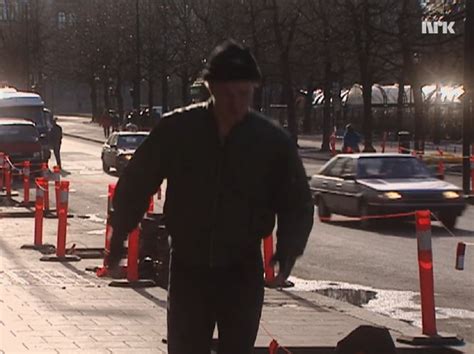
<point x="84" y="138"/>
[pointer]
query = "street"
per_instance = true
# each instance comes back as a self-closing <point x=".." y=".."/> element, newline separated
<point x="338" y="252"/>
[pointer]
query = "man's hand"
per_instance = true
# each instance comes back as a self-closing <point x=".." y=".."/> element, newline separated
<point x="285" y="266"/>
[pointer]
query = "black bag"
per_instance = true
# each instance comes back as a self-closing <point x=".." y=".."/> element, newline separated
<point x="154" y="250"/>
<point x="367" y="340"/>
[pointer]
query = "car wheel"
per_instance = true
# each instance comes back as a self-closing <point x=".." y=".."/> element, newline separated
<point x="105" y="167"/>
<point x="323" y="211"/>
<point x="448" y="220"/>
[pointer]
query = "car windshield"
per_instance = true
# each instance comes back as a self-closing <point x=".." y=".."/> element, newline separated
<point x="130" y="141"/>
<point x="33" y="113"/>
<point x="18" y="133"/>
<point x="391" y="168"/>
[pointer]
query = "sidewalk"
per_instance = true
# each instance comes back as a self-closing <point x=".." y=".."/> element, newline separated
<point x="59" y="308"/>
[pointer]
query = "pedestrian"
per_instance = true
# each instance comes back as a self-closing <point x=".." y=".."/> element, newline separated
<point x="351" y="140"/>
<point x="106" y="122"/>
<point x="230" y="172"/>
<point x="55" y="139"/>
<point x="114" y="118"/>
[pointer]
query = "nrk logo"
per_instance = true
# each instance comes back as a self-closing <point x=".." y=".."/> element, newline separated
<point x="433" y="27"/>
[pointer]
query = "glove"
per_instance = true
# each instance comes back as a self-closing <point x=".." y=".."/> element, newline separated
<point x="285" y="266"/>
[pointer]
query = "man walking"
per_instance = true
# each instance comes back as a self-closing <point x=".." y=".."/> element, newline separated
<point x="230" y="172"/>
<point x="56" y="137"/>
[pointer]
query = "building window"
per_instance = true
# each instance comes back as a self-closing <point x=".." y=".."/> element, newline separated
<point x="61" y="20"/>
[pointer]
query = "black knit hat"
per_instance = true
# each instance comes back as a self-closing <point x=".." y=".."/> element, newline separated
<point x="230" y="61"/>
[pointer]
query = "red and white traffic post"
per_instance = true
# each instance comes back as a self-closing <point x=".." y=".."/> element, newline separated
<point x="269" y="270"/>
<point x="26" y="182"/>
<point x="425" y="268"/>
<point x="2" y="170"/>
<point x="39" y="216"/>
<point x="57" y="179"/>
<point x="62" y="228"/>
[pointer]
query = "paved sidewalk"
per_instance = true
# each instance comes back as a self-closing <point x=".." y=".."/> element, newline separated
<point x="60" y="308"/>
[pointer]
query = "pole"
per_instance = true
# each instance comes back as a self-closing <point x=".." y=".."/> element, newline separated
<point x="62" y="228"/>
<point x="26" y="182"/>
<point x="132" y="257"/>
<point x="267" y="256"/>
<point x="468" y="95"/>
<point x="2" y="169"/>
<point x="136" y="89"/>
<point x="425" y="264"/>
<point x="39" y="205"/>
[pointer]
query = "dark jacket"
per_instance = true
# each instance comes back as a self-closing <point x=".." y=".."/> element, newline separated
<point x="221" y="199"/>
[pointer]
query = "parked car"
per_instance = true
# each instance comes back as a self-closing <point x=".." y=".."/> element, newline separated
<point x="119" y="149"/>
<point x="20" y="139"/>
<point x="361" y="185"/>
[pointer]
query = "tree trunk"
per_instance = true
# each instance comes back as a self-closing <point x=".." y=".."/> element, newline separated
<point x="400" y="102"/>
<point x="308" y="107"/>
<point x="151" y="92"/>
<point x="118" y="94"/>
<point x="418" y="100"/>
<point x="184" y="88"/>
<point x="367" y="122"/>
<point x="327" y="107"/>
<point x="164" y="92"/>
<point x="289" y="97"/>
<point x="106" y="96"/>
<point x="93" y="97"/>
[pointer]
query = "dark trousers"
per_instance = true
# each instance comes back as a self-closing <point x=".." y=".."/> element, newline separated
<point x="201" y="297"/>
<point x="57" y="154"/>
<point x="106" y="131"/>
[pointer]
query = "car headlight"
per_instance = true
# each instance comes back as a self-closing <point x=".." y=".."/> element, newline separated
<point x="451" y="195"/>
<point x="390" y="195"/>
<point x="126" y="157"/>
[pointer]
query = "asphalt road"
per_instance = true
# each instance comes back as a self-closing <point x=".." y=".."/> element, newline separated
<point x="384" y="258"/>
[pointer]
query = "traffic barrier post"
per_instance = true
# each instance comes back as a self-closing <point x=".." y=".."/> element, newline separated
<point x="269" y="270"/>
<point x="2" y="169"/>
<point x="46" y="195"/>
<point x="132" y="256"/>
<point x="44" y="170"/>
<point x="62" y="229"/>
<point x="103" y="270"/>
<point x="8" y="180"/>
<point x="472" y="173"/>
<point x="460" y="253"/>
<point x="56" y="179"/>
<point x="26" y="182"/>
<point x="425" y="267"/>
<point x="108" y="226"/>
<point x="39" y="215"/>
<point x="133" y="277"/>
